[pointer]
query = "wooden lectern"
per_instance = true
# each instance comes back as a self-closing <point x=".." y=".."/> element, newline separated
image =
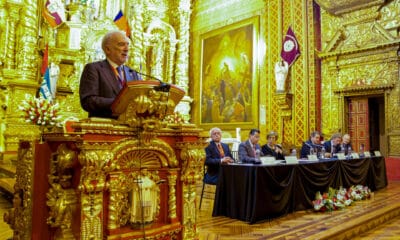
<point x="113" y="179"/>
<point x="142" y="102"/>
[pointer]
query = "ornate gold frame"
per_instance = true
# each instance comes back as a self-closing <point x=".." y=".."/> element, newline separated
<point x="228" y="57"/>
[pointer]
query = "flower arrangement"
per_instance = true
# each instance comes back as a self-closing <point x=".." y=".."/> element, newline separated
<point x="40" y="111"/>
<point x="175" y="118"/>
<point x="341" y="198"/>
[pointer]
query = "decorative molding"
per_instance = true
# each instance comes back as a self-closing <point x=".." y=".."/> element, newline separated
<point x="363" y="89"/>
<point x="338" y="7"/>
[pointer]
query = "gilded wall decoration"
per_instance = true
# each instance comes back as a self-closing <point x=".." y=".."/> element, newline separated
<point x="394" y="145"/>
<point x="338" y="7"/>
<point x="62" y="198"/>
<point x="359" y="52"/>
<point x="19" y="217"/>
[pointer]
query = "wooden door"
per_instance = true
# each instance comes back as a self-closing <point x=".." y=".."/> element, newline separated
<point x="359" y="123"/>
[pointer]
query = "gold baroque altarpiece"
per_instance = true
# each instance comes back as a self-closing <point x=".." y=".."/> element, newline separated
<point x="345" y="53"/>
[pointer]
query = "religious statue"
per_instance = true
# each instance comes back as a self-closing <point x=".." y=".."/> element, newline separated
<point x="54" y="75"/>
<point x="281" y="71"/>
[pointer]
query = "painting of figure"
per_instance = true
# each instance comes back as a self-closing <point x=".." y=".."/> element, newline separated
<point x="227" y="74"/>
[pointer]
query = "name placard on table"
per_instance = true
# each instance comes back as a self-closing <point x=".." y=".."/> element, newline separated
<point x="291" y="160"/>
<point x="312" y="157"/>
<point x="367" y="154"/>
<point x="355" y="155"/>
<point x="267" y="160"/>
<point x="377" y="153"/>
<point x="341" y="156"/>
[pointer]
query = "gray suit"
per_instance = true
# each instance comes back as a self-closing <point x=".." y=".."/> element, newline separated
<point x="246" y="153"/>
<point x="99" y="86"/>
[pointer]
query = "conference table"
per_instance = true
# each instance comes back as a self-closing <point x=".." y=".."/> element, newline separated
<point x="254" y="193"/>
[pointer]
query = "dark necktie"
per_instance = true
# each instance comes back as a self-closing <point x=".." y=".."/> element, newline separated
<point x="120" y="76"/>
<point x="221" y="150"/>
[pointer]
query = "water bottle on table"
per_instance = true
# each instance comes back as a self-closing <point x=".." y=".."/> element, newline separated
<point x="361" y="153"/>
<point x="323" y="153"/>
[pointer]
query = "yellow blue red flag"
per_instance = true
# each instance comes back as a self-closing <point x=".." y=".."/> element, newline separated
<point x="45" y="87"/>
<point x="122" y="23"/>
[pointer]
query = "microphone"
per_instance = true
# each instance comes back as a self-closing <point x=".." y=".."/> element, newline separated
<point x="312" y="145"/>
<point x="163" y="87"/>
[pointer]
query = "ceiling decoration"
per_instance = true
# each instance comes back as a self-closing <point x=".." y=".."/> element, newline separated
<point x="338" y="7"/>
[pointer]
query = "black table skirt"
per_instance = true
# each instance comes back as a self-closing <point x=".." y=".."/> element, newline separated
<point x="253" y="193"/>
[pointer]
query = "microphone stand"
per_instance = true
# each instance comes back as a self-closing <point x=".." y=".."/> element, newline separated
<point x="163" y="87"/>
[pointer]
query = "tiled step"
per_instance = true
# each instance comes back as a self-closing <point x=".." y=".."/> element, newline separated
<point x="7" y="177"/>
<point x="8" y="170"/>
<point x="7" y="184"/>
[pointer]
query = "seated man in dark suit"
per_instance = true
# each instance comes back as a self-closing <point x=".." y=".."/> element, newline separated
<point x="346" y="144"/>
<point x="216" y="153"/>
<point x="313" y="143"/>
<point x="102" y="81"/>
<point x="271" y="148"/>
<point x="333" y="146"/>
<point x="250" y="150"/>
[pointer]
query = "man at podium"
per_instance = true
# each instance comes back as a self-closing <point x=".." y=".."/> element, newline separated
<point x="102" y="81"/>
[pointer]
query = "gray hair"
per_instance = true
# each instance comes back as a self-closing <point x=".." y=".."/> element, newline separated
<point x="336" y="135"/>
<point x="109" y="36"/>
<point x="215" y="129"/>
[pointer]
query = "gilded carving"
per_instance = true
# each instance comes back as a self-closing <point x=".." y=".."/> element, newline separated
<point x="189" y="211"/>
<point x="390" y="15"/>
<point x="192" y="156"/>
<point x="172" y="177"/>
<point x="192" y="160"/>
<point x="20" y="216"/>
<point x="359" y="59"/>
<point x="92" y="215"/>
<point x="134" y="154"/>
<point x="26" y="57"/>
<point x="119" y="208"/>
<point x="62" y="198"/>
<point x="394" y="145"/>
<point x="343" y="6"/>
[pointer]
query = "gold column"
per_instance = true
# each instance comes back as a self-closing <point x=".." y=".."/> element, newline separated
<point x="192" y="155"/>
<point x="92" y="184"/>
<point x="172" y="196"/>
<point x="10" y="36"/>
<point x="284" y="103"/>
<point x="27" y="58"/>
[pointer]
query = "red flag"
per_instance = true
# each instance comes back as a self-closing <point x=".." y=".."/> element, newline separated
<point x="122" y="23"/>
<point x="45" y="61"/>
<point x="290" y="48"/>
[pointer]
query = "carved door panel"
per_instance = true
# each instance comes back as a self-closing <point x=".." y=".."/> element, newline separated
<point x="359" y="122"/>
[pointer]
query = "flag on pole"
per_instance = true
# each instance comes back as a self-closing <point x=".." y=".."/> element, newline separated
<point x="45" y="86"/>
<point x="122" y="23"/>
<point x="45" y="61"/>
<point x="53" y="13"/>
<point x="290" y="47"/>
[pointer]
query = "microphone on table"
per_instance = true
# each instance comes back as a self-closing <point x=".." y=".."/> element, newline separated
<point x="163" y="87"/>
<point x="312" y="145"/>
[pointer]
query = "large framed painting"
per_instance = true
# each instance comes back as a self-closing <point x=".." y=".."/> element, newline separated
<point x="228" y="79"/>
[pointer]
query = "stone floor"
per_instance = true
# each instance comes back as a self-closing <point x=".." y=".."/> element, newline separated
<point x="376" y="218"/>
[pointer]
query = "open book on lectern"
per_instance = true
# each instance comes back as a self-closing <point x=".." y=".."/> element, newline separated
<point x="144" y="92"/>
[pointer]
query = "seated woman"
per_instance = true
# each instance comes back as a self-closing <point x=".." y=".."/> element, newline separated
<point x="271" y="148"/>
